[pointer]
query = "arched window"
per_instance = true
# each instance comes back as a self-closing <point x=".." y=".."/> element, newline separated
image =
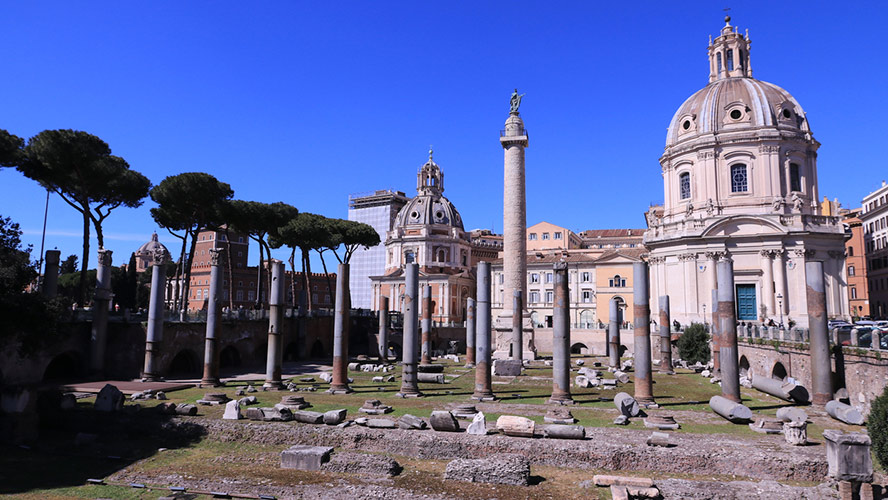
<point x="740" y="58"/>
<point x="739" y="179"/>
<point x="617" y="281"/>
<point x="730" y="60"/>
<point x="850" y="270"/>
<point x="718" y="58"/>
<point x="795" y="177"/>
<point x="684" y="186"/>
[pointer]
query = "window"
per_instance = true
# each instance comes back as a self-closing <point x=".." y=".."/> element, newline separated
<point x="500" y="278"/>
<point x="587" y="296"/>
<point x="617" y="281"/>
<point x="548" y="277"/>
<point x="739" y="181"/>
<point x="545" y="236"/>
<point x="534" y="278"/>
<point x="684" y="185"/>
<point x="532" y="236"/>
<point x="550" y="297"/>
<point x="850" y="251"/>
<point x="557" y="236"/>
<point x="795" y="178"/>
<point x="718" y="57"/>
<point x="239" y="295"/>
<point x="585" y="277"/>
<point x="314" y="298"/>
<point x="206" y="293"/>
<point x="534" y="297"/>
<point x="729" y="60"/>
<point x="327" y="298"/>
<point x="850" y="270"/>
<point x="240" y="239"/>
<point x="251" y="295"/>
<point x="853" y="292"/>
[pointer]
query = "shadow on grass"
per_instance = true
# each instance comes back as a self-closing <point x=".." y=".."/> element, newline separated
<point x="771" y="407"/>
<point x="682" y="403"/>
<point x="80" y="444"/>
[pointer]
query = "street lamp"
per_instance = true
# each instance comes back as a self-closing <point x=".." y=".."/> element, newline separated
<point x="780" y="307"/>
<point x="704" y="314"/>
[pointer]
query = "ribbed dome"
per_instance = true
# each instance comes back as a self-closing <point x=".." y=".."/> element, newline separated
<point x="151" y="246"/>
<point x="732" y="104"/>
<point x="429" y="209"/>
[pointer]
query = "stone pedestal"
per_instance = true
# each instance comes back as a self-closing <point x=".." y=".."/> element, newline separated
<point x="848" y="456"/>
<point x="503" y="330"/>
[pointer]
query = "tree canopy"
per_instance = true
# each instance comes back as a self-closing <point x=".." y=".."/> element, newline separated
<point x="351" y="235"/>
<point x="80" y="168"/>
<point x="16" y="268"/>
<point x="306" y="231"/>
<point x="10" y="149"/>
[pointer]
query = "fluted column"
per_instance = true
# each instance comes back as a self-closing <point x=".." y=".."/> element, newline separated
<point x="275" y="354"/>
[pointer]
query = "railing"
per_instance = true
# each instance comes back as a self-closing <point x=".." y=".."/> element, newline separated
<point x="513" y="133"/>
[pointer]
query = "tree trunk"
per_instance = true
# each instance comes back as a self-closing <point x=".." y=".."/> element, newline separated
<point x="267" y="274"/>
<point x="259" y="274"/>
<point x="293" y="281"/>
<point x="327" y="275"/>
<point x="188" y="263"/>
<point x="306" y="271"/>
<point x="177" y="291"/>
<point x="81" y="292"/>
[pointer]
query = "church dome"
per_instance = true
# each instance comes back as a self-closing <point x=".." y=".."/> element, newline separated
<point x="430" y="206"/>
<point x="734" y="101"/>
<point x="152" y="246"/>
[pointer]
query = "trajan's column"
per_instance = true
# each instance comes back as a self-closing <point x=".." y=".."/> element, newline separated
<point x="514" y="140"/>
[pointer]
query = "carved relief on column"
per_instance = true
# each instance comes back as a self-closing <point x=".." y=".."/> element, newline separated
<point x="158" y="257"/>
<point x="104" y="257"/>
<point x="216" y="256"/>
<point x="685" y="257"/>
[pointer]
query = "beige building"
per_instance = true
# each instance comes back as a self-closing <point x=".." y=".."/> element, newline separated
<point x="740" y="182"/>
<point x="547" y="236"/>
<point x="874" y="219"/>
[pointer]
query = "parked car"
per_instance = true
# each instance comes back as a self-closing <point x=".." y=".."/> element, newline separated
<point x="864" y="337"/>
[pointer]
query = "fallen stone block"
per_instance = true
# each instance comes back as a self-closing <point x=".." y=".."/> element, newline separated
<point x="160" y="395"/>
<point x="214" y="398"/>
<point x="606" y="480"/>
<point x="788" y="391"/>
<point x="626" y="404"/>
<point x="109" y="399"/>
<point x="335" y="417"/>
<point x="558" y="431"/>
<point x="250" y="388"/>
<point x="619" y="492"/>
<point x="848" y="456"/>
<point x="582" y="382"/>
<point x="308" y="417"/>
<point x="580" y="362"/>
<point x="186" y="409"/>
<point x="559" y="415"/>
<point x="478" y="427"/>
<point x="430" y="378"/>
<point x="659" y="439"/>
<point x="507" y="367"/>
<point x="276" y="414"/>
<point x="515" y="426"/>
<point x="248" y="400"/>
<point x="361" y="420"/>
<point x="621" y="377"/>
<point x="464" y="411"/>
<point x="379" y="379"/>
<point x="390" y="378"/>
<point x="326" y="377"/>
<point x="734" y="412"/>
<point x="792" y="414"/>
<point x="304" y="457"/>
<point x="767" y="426"/>
<point x="636" y="492"/>
<point x="795" y="433"/>
<point x="375" y="407"/>
<point x="430" y="369"/>
<point x="621" y="420"/>
<point x="365" y="464"/>
<point x="381" y="423"/>
<point x="496" y="469"/>
<point x="444" y="421"/>
<point x="353" y="367"/>
<point x="410" y="422"/>
<point x="844" y="413"/>
<point x="232" y="411"/>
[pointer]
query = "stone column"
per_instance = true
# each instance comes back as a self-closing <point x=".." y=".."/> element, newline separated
<point x="154" y="338"/>
<point x="426" y="326"/>
<point x="211" y="349"/>
<point x="101" y="299"/>
<point x="50" y="286"/>
<point x="768" y="283"/>
<point x="613" y="334"/>
<point x="409" y="387"/>
<point x="716" y="324"/>
<point x="274" y="357"/>
<point x="821" y="366"/>
<point x="665" y="337"/>
<point x="514" y="141"/>
<point x="341" y="321"/>
<point x="470" y="332"/>
<point x="516" y="346"/>
<point x="780" y="280"/>
<point x="730" y="373"/>
<point x="644" y="383"/>
<point x="712" y="276"/>
<point x="483" y="386"/>
<point x="561" y="337"/>
<point x="383" y="341"/>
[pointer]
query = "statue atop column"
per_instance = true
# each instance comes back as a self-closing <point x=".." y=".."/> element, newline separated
<point x="515" y="101"/>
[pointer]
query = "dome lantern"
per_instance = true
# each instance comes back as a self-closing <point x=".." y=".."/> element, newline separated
<point x="729" y="54"/>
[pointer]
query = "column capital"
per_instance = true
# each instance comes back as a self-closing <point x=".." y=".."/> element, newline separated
<point x="216" y="256"/>
<point x="158" y="257"/>
<point x="715" y="256"/>
<point x="689" y="256"/>
<point x="104" y="257"/>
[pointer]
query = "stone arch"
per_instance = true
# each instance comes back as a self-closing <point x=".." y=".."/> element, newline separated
<point x="229" y="357"/>
<point x="779" y="371"/>
<point x="65" y="366"/>
<point x="579" y="348"/>
<point x="185" y="364"/>
<point x="317" y="349"/>
<point x="744" y="366"/>
<point x="291" y="353"/>
<point x="586" y="318"/>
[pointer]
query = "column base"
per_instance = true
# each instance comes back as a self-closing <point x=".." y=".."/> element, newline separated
<point x="210" y="383"/>
<point x="561" y="401"/>
<point x="820" y="399"/>
<point x="666" y="372"/>
<point x="647" y="402"/>
<point x="152" y="378"/>
<point x="340" y="390"/>
<point x="274" y="385"/>
<point x="469" y="365"/>
<point x="484" y="397"/>
<point x="405" y="394"/>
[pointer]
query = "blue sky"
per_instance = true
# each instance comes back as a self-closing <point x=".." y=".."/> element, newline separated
<point x="308" y="102"/>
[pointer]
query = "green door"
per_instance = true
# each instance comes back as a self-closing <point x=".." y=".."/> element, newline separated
<point x="746" y="310"/>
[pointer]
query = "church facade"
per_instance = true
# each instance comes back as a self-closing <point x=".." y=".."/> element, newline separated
<point x="740" y="182"/>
